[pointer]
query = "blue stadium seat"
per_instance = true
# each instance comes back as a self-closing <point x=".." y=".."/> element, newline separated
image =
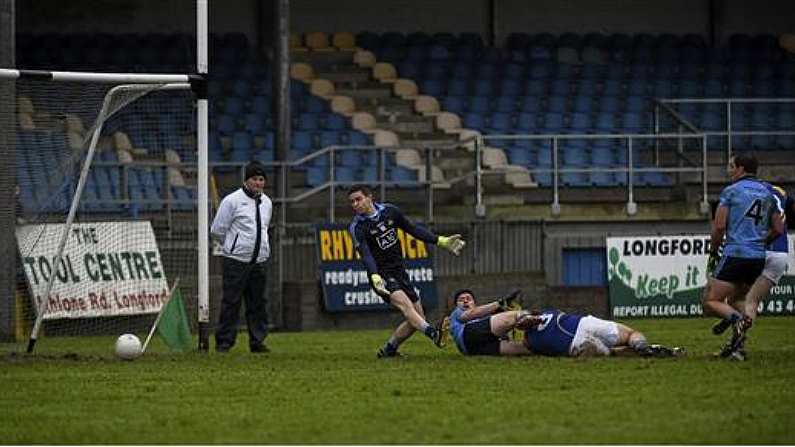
<point x="307" y="121"/>
<point x="458" y="87"/>
<point x="328" y="138"/>
<point x="455" y="104"/>
<point x="505" y="104"/>
<point x="526" y="122"/>
<point x="479" y="104"/>
<point x="523" y="156"/>
<point x="333" y="121"/>
<point x="536" y="88"/>
<point x="553" y="122"/>
<point x="500" y="122"/>
<point x="557" y="104"/>
<point x="531" y="104"/>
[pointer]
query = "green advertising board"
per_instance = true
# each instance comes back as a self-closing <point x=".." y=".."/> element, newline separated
<point x="664" y="276"/>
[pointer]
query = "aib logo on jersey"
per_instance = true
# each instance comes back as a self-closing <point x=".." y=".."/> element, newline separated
<point x="386" y="239"/>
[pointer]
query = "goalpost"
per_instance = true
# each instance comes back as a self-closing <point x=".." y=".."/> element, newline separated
<point x="128" y="194"/>
<point x="116" y="194"/>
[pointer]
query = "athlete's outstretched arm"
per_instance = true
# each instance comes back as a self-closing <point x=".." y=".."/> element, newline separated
<point x="453" y="243"/>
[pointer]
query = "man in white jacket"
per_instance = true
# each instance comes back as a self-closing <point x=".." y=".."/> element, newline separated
<point x="241" y="225"/>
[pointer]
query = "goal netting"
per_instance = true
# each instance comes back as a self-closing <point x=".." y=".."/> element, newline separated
<point x="122" y="157"/>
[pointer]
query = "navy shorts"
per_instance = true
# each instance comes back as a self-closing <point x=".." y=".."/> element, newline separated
<point x="398" y="280"/>
<point x="479" y="340"/>
<point x="739" y="270"/>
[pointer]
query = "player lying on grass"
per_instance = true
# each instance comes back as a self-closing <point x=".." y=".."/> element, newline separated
<point x="482" y="330"/>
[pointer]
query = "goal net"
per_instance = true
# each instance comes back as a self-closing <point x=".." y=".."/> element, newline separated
<point x="104" y="172"/>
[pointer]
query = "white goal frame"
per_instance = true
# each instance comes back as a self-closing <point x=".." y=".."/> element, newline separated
<point x="130" y="82"/>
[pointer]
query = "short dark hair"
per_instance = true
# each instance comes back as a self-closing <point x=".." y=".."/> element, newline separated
<point x="747" y="161"/>
<point x="460" y="292"/>
<point x="360" y="187"/>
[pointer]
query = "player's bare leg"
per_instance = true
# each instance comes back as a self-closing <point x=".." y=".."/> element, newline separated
<point x="633" y="342"/>
<point x="504" y="322"/>
<point x="415" y="320"/>
<point x="403" y="332"/>
<point x="758" y="290"/>
<point x="714" y="302"/>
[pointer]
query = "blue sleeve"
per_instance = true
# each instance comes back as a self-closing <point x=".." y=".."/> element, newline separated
<point x="364" y="250"/>
<point x="725" y="196"/>
<point x="409" y="227"/>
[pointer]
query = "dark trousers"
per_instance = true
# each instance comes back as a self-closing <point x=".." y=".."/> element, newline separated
<point x="246" y="281"/>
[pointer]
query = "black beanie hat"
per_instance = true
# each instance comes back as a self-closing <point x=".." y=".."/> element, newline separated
<point x="253" y="169"/>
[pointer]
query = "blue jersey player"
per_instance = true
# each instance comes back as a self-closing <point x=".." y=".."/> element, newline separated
<point x="481" y="330"/>
<point x="748" y="218"/>
<point x="374" y="231"/>
<point x="776" y="264"/>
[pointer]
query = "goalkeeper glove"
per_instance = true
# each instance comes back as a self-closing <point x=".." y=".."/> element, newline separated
<point x="454" y="243"/>
<point x="378" y="284"/>
<point x="510" y="301"/>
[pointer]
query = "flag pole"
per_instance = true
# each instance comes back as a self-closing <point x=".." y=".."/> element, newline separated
<point x="160" y="314"/>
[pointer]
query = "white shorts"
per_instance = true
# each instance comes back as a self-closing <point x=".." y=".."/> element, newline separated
<point x="775" y="265"/>
<point x="594" y="333"/>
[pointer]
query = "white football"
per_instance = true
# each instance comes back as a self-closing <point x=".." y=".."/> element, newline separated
<point x="128" y="347"/>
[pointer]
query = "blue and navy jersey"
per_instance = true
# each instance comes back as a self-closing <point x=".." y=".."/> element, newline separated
<point x="780" y="243"/>
<point x="555" y="333"/>
<point x="457" y="329"/>
<point x="750" y="204"/>
<point x="375" y="237"/>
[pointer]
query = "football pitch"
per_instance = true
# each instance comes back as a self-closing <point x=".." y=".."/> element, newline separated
<point x="328" y="388"/>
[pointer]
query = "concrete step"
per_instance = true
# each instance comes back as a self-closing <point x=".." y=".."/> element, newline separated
<point x="364" y="92"/>
<point x="323" y="58"/>
<point x="344" y="76"/>
<point x="405" y="124"/>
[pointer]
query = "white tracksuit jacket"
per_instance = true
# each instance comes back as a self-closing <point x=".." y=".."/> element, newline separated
<point x="235" y="225"/>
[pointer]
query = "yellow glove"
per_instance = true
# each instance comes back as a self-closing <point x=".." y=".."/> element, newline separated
<point x="453" y="243"/>
<point x="378" y="284"/>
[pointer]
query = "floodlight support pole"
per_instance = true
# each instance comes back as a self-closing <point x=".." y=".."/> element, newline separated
<point x="203" y="180"/>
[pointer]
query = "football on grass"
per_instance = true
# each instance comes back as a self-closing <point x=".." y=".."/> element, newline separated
<point x="128" y="346"/>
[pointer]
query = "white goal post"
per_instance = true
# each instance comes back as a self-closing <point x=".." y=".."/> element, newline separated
<point x="127" y="88"/>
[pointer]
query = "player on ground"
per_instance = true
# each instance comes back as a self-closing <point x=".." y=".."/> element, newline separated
<point x="374" y="231"/>
<point x="749" y="219"/>
<point x="481" y="330"/>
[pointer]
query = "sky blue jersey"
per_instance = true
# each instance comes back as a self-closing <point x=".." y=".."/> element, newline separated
<point x="555" y="333"/>
<point x="780" y="243"/>
<point x="750" y="204"/>
<point x="457" y="328"/>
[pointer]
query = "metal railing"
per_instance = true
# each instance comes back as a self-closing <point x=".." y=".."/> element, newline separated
<point x="629" y="169"/>
<point x="668" y="106"/>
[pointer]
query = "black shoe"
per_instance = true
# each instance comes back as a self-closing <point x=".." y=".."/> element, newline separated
<point x="721" y="326"/>
<point x="387" y="353"/>
<point x="440" y="332"/>
<point x="260" y="349"/>
<point x="660" y="351"/>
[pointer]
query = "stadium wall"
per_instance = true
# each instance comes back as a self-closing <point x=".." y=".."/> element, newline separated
<point x="255" y="19"/>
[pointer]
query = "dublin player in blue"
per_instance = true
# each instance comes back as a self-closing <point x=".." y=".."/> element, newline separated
<point x="776" y="263"/>
<point x="749" y="219"/>
<point x="374" y="231"/>
<point x="482" y="330"/>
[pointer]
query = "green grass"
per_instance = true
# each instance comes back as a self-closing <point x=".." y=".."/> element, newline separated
<point x="328" y="388"/>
